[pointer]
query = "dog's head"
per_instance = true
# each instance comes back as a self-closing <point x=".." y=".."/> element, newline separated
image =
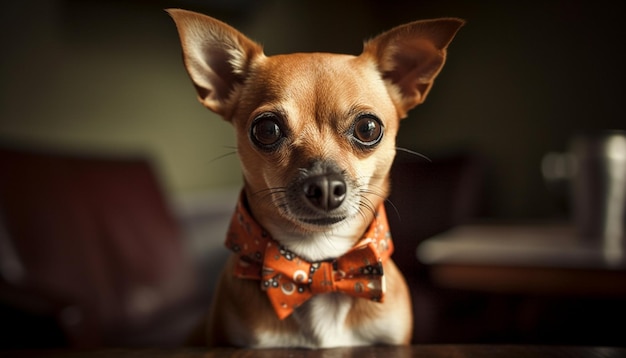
<point x="315" y="131"/>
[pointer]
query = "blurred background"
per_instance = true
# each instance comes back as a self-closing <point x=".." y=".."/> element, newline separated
<point x="521" y="79"/>
<point x="105" y="78"/>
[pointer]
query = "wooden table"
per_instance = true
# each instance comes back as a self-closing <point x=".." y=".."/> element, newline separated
<point x="421" y="351"/>
<point x="524" y="258"/>
<point x="525" y="283"/>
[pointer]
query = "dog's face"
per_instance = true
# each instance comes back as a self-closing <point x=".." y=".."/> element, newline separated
<point x="316" y="138"/>
<point x="315" y="132"/>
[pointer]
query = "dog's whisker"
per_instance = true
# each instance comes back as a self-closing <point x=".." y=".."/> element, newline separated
<point x="366" y="203"/>
<point x="373" y="191"/>
<point x="380" y="194"/>
<point x="361" y="212"/>
<point x="277" y="194"/>
<point x="222" y="156"/>
<point x="370" y="181"/>
<point x="328" y="237"/>
<point x="373" y="176"/>
<point x="270" y="191"/>
<point x="395" y="208"/>
<point x="419" y="155"/>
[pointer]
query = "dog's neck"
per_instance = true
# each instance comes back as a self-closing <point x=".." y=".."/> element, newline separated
<point x="314" y="245"/>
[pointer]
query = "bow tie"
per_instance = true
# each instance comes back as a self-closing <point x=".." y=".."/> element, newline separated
<point x="290" y="280"/>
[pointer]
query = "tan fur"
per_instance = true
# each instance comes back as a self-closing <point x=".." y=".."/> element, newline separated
<point x="317" y="99"/>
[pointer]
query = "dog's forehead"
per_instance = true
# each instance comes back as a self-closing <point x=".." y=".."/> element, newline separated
<point x="308" y="66"/>
<point x="321" y="71"/>
<point x="311" y="80"/>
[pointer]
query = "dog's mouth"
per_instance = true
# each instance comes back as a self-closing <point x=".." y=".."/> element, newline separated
<point x="325" y="221"/>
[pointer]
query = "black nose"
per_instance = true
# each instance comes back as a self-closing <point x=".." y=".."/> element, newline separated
<point x="325" y="192"/>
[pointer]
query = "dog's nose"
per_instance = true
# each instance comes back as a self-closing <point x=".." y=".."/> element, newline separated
<point x="325" y="192"/>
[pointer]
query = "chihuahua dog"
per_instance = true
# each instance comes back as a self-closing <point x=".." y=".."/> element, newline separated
<point x="315" y="135"/>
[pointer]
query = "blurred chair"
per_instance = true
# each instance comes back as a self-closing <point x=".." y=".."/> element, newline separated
<point x="90" y="255"/>
<point x="427" y="198"/>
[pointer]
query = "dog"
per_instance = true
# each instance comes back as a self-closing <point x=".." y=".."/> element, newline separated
<point x="315" y="134"/>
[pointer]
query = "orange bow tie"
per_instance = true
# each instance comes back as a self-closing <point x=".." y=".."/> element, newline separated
<point x="289" y="280"/>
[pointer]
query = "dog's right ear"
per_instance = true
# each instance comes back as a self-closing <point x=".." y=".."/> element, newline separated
<point x="410" y="57"/>
<point x="217" y="58"/>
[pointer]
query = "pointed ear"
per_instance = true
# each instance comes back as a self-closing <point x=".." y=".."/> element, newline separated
<point x="410" y="56"/>
<point x="216" y="56"/>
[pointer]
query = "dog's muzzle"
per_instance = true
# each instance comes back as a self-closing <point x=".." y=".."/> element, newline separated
<point x="320" y="194"/>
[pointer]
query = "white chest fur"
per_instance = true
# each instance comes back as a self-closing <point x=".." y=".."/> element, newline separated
<point x="322" y="322"/>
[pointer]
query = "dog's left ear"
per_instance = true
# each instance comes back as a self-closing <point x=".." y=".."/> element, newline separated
<point x="410" y="56"/>
<point x="217" y="58"/>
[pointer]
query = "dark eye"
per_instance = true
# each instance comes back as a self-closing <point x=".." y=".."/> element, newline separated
<point x="265" y="131"/>
<point x="368" y="130"/>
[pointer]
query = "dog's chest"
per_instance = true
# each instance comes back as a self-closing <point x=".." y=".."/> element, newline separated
<point x="322" y="323"/>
